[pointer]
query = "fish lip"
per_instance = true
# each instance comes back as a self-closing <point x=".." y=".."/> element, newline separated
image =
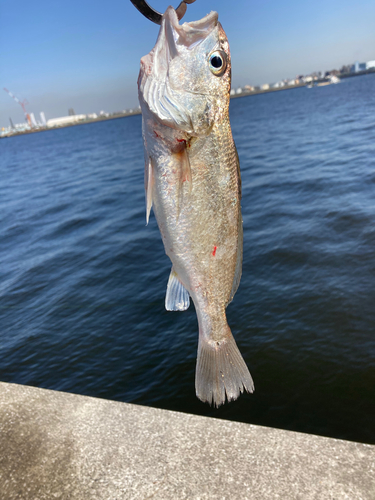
<point x="210" y="20"/>
<point x="188" y="34"/>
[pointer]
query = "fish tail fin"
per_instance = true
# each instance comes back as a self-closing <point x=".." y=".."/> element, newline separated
<point x="221" y="371"/>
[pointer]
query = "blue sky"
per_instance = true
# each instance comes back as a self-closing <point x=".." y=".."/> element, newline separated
<point x="85" y="53"/>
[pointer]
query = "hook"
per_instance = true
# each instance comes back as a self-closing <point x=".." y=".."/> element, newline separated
<point x="154" y="15"/>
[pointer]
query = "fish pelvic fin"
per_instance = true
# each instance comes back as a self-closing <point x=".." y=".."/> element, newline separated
<point x="221" y="371"/>
<point x="177" y="297"/>
<point x="149" y="181"/>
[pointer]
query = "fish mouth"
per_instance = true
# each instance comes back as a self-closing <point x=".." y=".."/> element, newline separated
<point x="188" y="35"/>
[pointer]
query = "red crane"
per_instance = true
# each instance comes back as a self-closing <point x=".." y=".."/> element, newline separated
<point x="22" y="104"/>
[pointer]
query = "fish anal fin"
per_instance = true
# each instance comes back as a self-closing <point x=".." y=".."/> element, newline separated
<point x="177" y="297"/>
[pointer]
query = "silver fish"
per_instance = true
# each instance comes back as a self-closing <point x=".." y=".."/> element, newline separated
<point x="193" y="183"/>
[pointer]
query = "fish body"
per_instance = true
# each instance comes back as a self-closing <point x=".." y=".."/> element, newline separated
<point x="193" y="183"/>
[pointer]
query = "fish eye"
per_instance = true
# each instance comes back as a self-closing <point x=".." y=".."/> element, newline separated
<point x="217" y="62"/>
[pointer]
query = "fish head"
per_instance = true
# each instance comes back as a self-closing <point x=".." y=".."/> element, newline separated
<point x="184" y="82"/>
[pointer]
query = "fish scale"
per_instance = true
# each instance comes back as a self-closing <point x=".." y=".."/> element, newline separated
<point x="193" y="183"/>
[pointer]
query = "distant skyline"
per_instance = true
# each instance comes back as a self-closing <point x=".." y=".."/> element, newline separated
<point x="85" y="55"/>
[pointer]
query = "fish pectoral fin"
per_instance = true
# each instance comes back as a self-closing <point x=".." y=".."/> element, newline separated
<point x="149" y="181"/>
<point x="177" y="297"/>
<point x="185" y="170"/>
<point x="185" y="177"/>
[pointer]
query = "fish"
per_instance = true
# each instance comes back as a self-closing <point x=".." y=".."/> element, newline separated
<point x="193" y="185"/>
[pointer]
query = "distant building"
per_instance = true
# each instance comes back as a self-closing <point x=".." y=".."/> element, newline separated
<point x="71" y="112"/>
<point x="236" y="91"/>
<point x="265" y="86"/>
<point x="345" y="69"/>
<point x="277" y="85"/>
<point x="65" y="120"/>
<point x="370" y="64"/>
<point x="33" y="121"/>
<point x="358" y="67"/>
<point x="43" y="119"/>
<point x="20" y="127"/>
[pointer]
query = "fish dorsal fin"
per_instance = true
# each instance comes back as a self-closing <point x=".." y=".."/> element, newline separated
<point x="149" y="181"/>
<point x="177" y="297"/>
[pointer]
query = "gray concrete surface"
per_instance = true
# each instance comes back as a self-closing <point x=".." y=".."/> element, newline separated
<point x="55" y="445"/>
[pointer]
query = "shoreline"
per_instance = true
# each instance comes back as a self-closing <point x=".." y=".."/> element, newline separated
<point x="83" y="122"/>
<point x="115" y="116"/>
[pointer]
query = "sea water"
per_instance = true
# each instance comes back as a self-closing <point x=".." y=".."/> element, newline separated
<point x="83" y="280"/>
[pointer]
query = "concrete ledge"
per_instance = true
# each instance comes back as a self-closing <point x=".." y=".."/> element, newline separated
<point x="64" y="446"/>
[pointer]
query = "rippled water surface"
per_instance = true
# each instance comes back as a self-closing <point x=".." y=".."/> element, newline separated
<point x="82" y="279"/>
